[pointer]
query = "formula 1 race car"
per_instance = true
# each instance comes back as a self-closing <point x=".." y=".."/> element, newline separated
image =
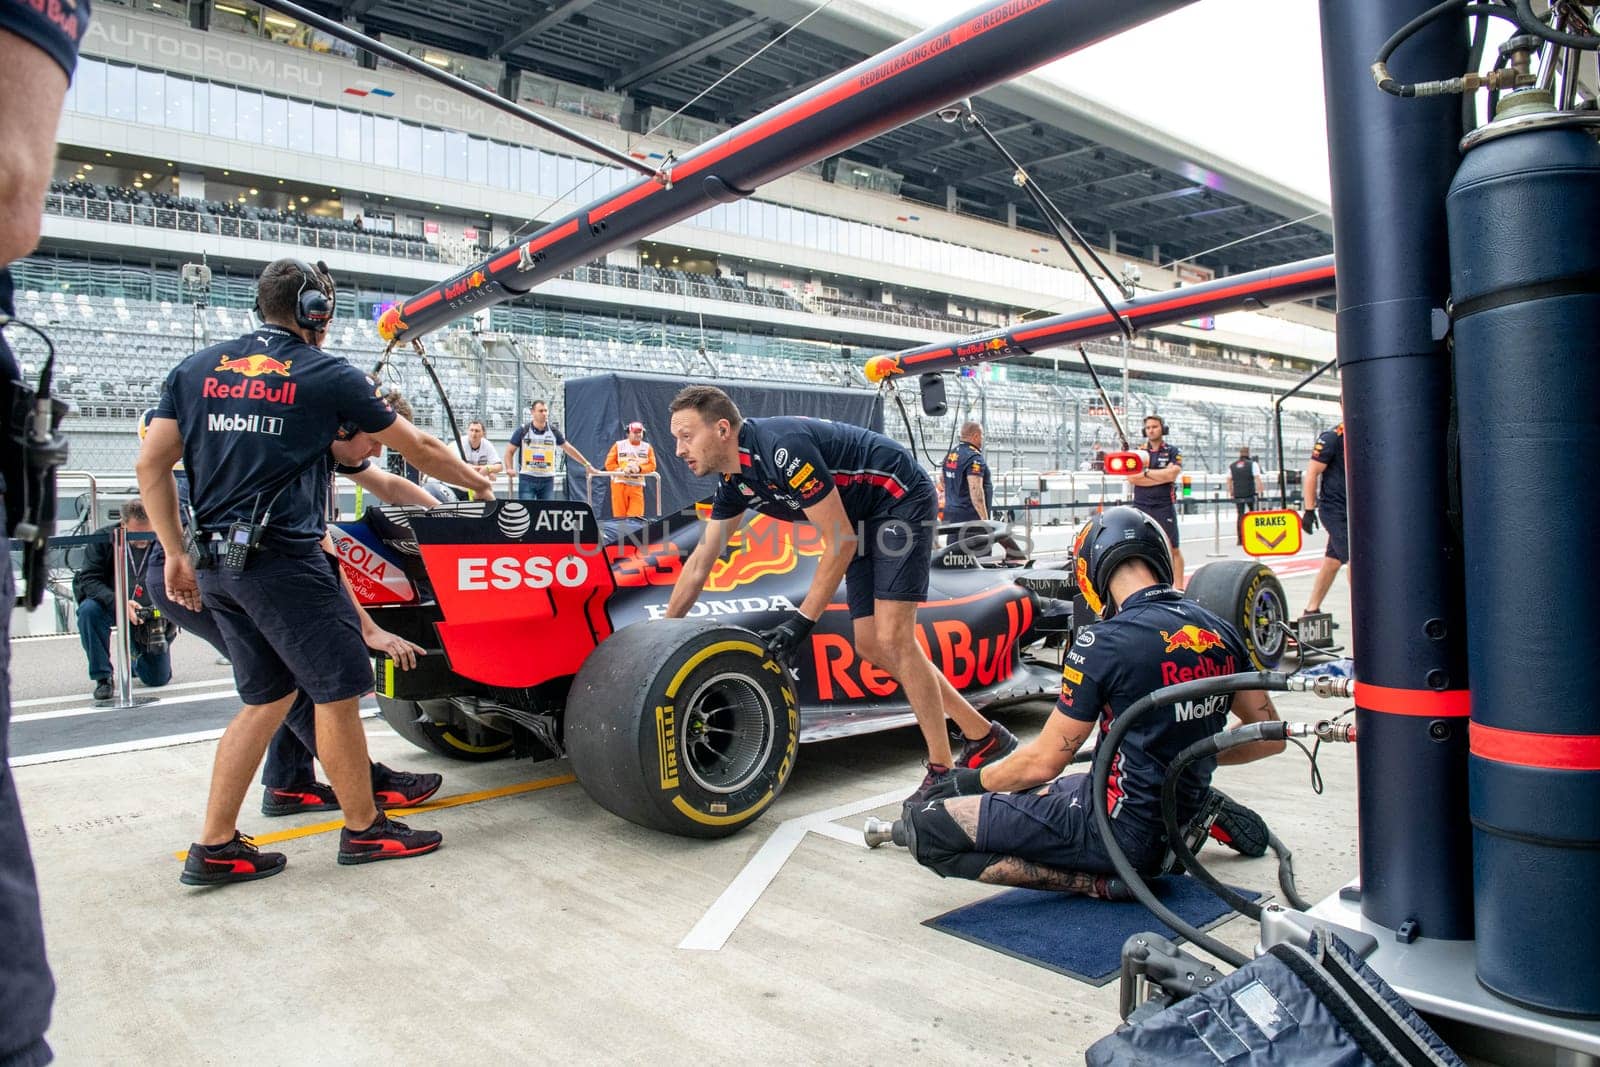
<point x="546" y="637"/>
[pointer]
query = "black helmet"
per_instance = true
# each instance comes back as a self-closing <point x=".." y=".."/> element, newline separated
<point x="1109" y="540"/>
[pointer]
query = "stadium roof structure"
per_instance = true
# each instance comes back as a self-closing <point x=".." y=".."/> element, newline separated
<point x="1108" y="174"/>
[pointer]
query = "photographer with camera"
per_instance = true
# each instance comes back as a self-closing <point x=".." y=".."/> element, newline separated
<point x="94" y="585"/>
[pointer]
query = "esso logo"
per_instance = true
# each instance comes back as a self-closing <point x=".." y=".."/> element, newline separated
<point x="509" y="572"/>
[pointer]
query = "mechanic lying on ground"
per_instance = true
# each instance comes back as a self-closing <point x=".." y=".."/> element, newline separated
<point x="840" y="479"/>
<point x="288" y="775"/>
<point x="1015" y="822"/>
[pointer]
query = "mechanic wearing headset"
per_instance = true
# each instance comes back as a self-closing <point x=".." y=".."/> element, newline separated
<point x="252" y="419"/>
<point x="289" y="776"/>
<point x="1153" y="488"/>
<point x="38" y="52"/>
<point x="841" y="479"/>
<point x="969" y="488"/>
<point x="1016" y="822"/>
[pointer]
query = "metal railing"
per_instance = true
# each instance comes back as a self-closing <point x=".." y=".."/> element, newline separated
<point x="202" y="222"/>
<point x="593" y="473"/>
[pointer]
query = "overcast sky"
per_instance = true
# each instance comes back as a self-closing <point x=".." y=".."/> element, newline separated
<point x="1240" y="78"/>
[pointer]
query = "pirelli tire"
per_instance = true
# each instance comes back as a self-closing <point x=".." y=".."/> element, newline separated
<point x="1249" y="595"/>
<point x="683" y="726"/>
<point x="426" y="724"/>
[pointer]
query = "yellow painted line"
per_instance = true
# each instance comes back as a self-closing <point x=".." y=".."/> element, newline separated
<point x="314" y="829"/>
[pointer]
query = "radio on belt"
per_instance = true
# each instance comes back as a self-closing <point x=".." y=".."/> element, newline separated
<point x="243" y="538"/>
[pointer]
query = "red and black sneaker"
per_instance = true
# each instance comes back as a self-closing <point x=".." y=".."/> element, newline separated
<point x="997" y="744"/>
<point x="402" y="789"/>
<point x="312" y="796"/>
<point x="935" y="784"/>
<point x="233" y="861"/>
<point x="1240" y="828"/>
<point x="386" y="839"/>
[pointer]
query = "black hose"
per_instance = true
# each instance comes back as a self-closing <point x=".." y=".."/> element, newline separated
<point x="1469" y="103"/>
<point x="1286" y="873"/>
<point x="1273" y="730"/>
<point x="1471" y="7"/>
<point x="1532" y="23"/>
<point x="1104" y="751"/>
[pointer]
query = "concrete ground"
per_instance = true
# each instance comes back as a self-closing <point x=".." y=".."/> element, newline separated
<point x="548" y="929"/>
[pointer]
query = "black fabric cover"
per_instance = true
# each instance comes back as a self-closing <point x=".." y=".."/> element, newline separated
<point x="1292" y="1008"/>
<point x="598" y="408"/>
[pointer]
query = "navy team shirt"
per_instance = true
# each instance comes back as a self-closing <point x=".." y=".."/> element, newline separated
<point x="1329" y="449"/>
<point x="788" y="464"/>
<point x="1160" y="496"/>
<point x="1157" y="639"/>
<point x="960" y="465"/>
<point x="257" y="415"/>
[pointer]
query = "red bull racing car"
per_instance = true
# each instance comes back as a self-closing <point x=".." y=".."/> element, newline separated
<point x="546" y="637"/>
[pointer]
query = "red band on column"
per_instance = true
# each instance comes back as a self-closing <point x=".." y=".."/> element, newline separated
<point x="1556" y="752"/>
<point x="1426" y="703"/>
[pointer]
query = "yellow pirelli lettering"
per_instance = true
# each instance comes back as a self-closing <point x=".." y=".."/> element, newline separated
<point x="667" y="745"/>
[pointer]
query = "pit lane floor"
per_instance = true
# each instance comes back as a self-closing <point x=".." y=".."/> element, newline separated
<point x="547" y="929"/>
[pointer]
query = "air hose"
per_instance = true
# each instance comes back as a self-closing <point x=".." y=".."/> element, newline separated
<point x="1210" y="746"/>
<point x="1272" y="681"/>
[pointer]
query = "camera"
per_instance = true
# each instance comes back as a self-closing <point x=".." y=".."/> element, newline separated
<point x="149" y="629"/>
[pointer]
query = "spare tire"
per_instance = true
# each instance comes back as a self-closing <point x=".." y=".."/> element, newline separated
<point x="683" y="726"/>
<point x="1248" y="595"/>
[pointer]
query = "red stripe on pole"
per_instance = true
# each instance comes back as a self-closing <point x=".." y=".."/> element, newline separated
<point x="557" y="234"/>
<point x="1427" y="703"/>
<point x="1555" y="752"/>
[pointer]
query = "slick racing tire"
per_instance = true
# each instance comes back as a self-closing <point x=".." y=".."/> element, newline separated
<point x="683" y="726"/>
<point x="426" y="724"/>
<point x="1247" y="594"/>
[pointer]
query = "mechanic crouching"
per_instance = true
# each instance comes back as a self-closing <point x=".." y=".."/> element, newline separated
<point x="1015" y="822"/>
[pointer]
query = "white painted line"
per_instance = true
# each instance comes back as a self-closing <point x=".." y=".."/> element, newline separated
<point x="143" y="744"/>
<point x="160" y="702"/>
<point x="728" y="910"/>
<point x="35" y="702"/>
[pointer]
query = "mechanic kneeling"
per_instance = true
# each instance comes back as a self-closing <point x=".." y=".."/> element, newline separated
<point x="1015" y="822"/>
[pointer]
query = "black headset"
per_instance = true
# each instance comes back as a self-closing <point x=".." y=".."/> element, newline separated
<point x="313" y="304"/>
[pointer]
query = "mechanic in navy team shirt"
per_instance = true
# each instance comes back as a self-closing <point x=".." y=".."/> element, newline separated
<point x="38" y="52"/>
<point x="1154" y="491"/>
<point x="1324" y="500"/>
<point x="252" y="419"/>
<point x="969" y="488"/>
<point x="1016" y="822"/>
<point x="841" y="479"/>
<point x="288" y="777"/>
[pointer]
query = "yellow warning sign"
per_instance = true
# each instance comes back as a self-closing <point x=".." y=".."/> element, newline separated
<point x="1271" y="533"/>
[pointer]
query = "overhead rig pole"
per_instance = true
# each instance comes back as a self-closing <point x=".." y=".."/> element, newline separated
<point x="966" y="55"/>
<point x="1300" y="280"/>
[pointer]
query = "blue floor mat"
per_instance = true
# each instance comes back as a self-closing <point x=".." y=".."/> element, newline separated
<point x="1075" y="935"/>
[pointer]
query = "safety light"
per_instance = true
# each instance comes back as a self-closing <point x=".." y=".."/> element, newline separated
<point x="1124" y="463"/>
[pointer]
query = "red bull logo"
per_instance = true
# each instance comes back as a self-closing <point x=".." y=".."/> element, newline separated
<point x="255" y="365"/>
<point x="764" y="547"/>
<point x="1194" y="638"/>
<point x="472" y="281"/>
<point x="390" y="324"/>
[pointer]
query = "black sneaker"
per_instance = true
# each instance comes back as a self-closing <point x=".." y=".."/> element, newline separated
<point x="402" y="789"/>
<point x="1240" y="828"/>
<point x="996" y="744"/>
<point x="936" y="783"/>
<point x="386" y="839"/>
<point x="234" y="861"/>
<point x="102" y="689"/>
<point x="1108" y="888"/>
<point x="312" y="796"/>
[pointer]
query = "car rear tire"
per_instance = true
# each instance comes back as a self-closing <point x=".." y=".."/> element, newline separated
<point x="426" y="724"/>
<point x="1248" y="595"/>
<point x="687" y="727"/>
